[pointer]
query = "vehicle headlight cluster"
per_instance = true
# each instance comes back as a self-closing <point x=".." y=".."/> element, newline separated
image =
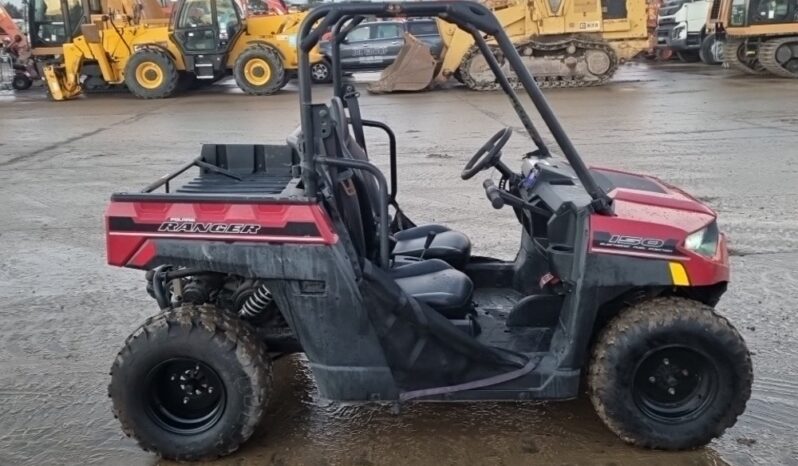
<point x="679" y="32"/>
<point x="704" y="241"/>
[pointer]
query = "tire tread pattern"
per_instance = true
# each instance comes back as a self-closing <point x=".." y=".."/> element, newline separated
<point x="229" y="332"/>
<point x="657" y="313"/>
<point x="171" y="75"/>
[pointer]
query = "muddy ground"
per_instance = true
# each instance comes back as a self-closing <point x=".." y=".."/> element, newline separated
<point x="732" y="141"/>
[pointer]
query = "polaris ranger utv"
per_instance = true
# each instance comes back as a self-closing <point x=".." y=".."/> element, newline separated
<point x="276" y="249"/>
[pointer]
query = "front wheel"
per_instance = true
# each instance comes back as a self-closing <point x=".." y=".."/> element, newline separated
<point x="259" y="70"/>
<point x="670" y="374"/>
<point x="321" y="72"/>
<point x="151" y="74"/>
<point x="191" y="383"/>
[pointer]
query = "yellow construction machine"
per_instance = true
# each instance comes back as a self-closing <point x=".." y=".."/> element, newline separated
<point x="760" y="36"/>
<point x="565" y="43"/>
<point x="133" y="42"/>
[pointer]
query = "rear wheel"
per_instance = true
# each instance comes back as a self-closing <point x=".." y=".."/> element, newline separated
<point x="669" y="374"/>
<point x="151" y="74"/>
<point x="259" y="71"/>
<point x="21" y="82"/>
<point x="688" y="56"/>
<point x="191" y="383"/>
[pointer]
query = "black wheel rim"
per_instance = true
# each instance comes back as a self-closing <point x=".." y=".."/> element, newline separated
<point x="675" y="384"/>
<point x="185" y="396"/>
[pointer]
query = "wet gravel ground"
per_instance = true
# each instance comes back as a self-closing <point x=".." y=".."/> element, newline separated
<point x="732" y="141"/>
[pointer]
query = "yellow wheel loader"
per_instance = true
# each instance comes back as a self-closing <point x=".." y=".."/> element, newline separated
<point x="564" y="43"/>
<point x="133" y="43"/>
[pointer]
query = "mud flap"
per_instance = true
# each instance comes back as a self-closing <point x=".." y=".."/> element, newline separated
<point x="412" y="70"/>
<point x="428" y="355"/>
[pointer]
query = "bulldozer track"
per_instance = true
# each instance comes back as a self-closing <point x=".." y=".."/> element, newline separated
<point x="767" y="56"/>
<point x="546" y="47"/>
<point x="731" y="56"/>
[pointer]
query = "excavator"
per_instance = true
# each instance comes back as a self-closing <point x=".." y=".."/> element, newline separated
<point x="8" y="28"/>
<point x="564" y="43"/>
<point x="761" y="36"/>
<point x="135" y="43"/>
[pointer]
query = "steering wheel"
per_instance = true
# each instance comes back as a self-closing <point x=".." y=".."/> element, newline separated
<point x="488" y="155"/>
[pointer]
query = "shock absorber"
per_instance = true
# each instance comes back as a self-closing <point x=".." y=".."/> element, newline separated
<point x="257" y="303"/>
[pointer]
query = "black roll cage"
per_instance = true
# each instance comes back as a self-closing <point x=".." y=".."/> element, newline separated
<point x="471" y="17"/>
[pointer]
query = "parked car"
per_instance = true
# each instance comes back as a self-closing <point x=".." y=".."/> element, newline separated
<point x="375" y="45"/>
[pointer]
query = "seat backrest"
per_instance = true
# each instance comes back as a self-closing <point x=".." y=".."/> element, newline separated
<point x="367" y="186"/>
<point x="346" y="190"/>
<point x="246" y="159"/>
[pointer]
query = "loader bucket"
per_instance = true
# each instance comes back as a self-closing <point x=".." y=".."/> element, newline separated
<point x="412" y="70"/>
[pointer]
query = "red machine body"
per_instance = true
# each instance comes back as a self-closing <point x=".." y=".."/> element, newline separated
<point x="131" y="226"/>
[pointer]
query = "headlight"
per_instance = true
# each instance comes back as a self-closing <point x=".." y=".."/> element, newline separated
<point x="679" y="32"/>
<point x="704" y="241"/>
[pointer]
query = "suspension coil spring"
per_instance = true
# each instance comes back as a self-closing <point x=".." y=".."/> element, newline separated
<point x="257" y="303"/>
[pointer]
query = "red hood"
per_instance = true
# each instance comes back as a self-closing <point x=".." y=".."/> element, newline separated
<point x="655" y="218"/>
<point x="648" y="199"/>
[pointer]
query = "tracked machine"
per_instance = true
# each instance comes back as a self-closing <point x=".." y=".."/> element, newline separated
<point x="761" y="36"/>
<point x="563" y="43"/>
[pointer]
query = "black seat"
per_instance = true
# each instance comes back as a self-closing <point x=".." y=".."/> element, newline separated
<point x="437" y="284"/>
<point x="433" y="281"/>
<point x="450" y="246"/>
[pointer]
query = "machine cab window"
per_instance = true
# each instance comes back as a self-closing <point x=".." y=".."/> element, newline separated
<point x="196" y="14"/>
<point x="207" y="25"/>
<point x="753" y="12"/>
<point x="229" y="19"/>
<point x="54" y="22"/>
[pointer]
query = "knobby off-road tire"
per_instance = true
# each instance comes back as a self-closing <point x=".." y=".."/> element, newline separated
<point x="661" y="345"/>
<point x="259" y="70"/>
<point x="191" y="383"/>
<point x="151" y="74"/>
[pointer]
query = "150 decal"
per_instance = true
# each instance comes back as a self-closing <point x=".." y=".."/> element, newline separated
<point x="603" y="239"/>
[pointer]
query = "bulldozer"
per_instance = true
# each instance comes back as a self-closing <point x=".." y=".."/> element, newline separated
<point x="564" y="43"/>
<point x="760" y="36"/>
<point x="135" y="43"/>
